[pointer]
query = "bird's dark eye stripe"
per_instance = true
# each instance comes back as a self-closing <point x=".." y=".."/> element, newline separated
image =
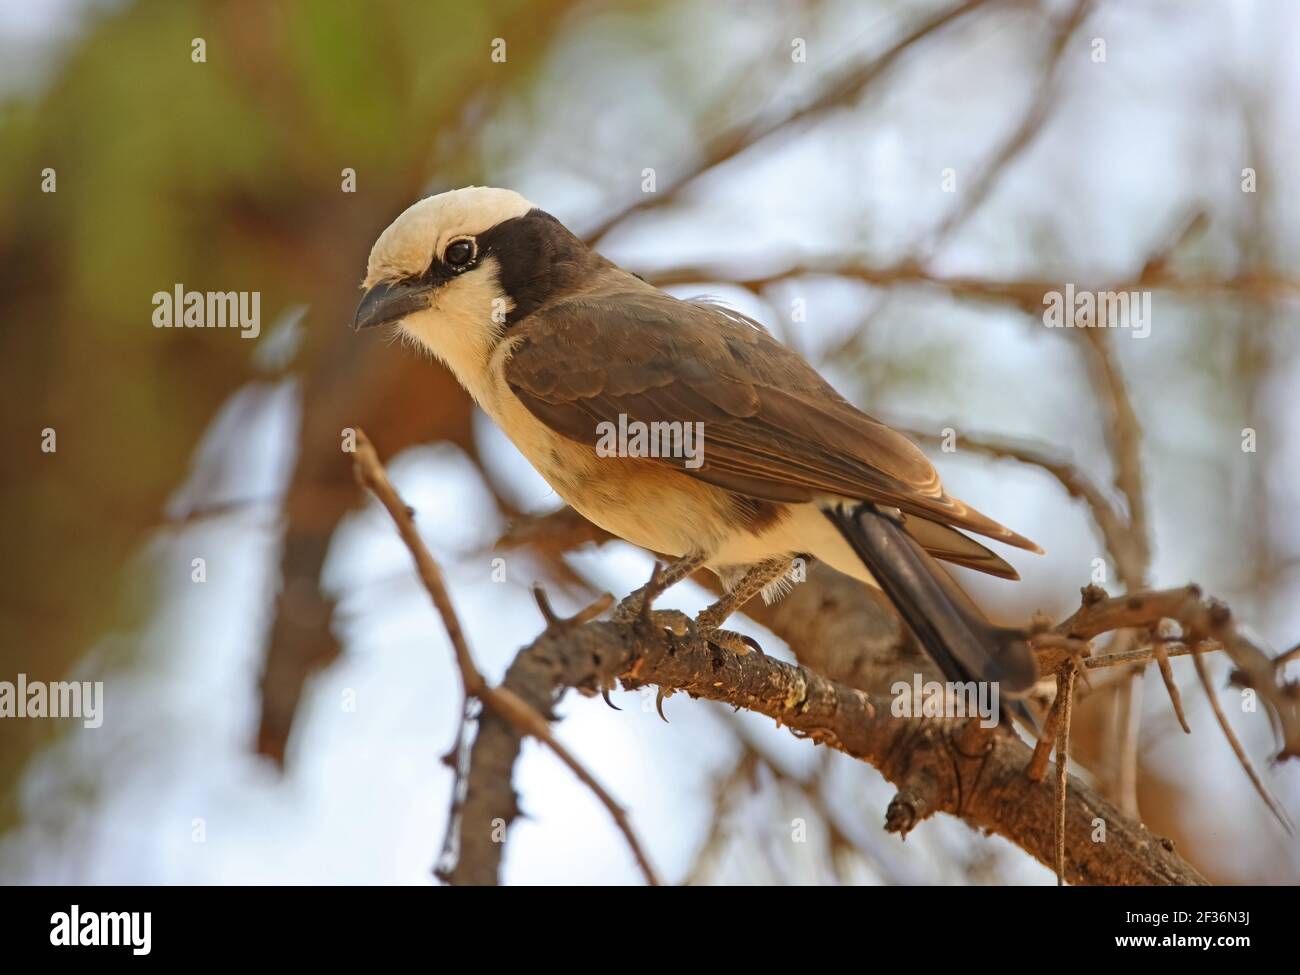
<point x="459" y="253"/>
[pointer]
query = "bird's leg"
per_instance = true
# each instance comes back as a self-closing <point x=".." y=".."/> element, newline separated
<point x="755" y="579"/>
<point x="639" y="600"/>
<point x="711" y="618"/>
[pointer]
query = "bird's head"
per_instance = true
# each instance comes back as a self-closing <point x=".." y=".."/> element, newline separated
<point x="457" y="269"/>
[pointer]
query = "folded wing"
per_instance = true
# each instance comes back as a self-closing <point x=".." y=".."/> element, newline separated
<point x="773" y="428"/>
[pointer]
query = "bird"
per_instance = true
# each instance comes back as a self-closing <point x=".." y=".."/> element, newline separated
<point x="765" y="463"/>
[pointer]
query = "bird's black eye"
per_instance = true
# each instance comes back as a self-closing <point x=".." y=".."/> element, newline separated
<point x="459" y="254"/>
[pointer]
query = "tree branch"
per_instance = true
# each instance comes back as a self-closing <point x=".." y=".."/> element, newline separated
<point x="1201" y="620"/>
<point x="1027" y="294"/>
<point x="939" y="765"/>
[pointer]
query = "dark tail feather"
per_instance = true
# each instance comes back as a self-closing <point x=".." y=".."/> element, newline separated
<point x="953" y="631"/>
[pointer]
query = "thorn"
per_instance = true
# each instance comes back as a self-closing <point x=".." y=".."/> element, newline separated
<point x="544" y="604"/>
<point x="602" y="603"/>
<point x="554" y="620"/>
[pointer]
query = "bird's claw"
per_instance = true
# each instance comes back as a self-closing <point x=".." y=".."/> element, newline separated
<point x="659" y="704"/>
<point x="737" y="643"/>
<point x="675" y="622"/>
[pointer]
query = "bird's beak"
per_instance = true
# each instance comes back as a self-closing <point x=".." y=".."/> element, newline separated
<point x="385" y="303"/>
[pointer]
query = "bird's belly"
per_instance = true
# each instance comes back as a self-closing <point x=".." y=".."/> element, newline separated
<point x="650" y="504"/>
<point x="641" y="501"/>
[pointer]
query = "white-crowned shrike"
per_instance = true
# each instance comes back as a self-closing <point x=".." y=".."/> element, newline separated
<point x="764" y="461"/>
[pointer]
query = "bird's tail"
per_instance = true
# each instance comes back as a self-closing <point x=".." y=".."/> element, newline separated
<point x="951" y="629"/>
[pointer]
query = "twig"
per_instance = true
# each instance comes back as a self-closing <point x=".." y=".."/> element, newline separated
<point x="457" y="759"/>
<point x="1028" y="294"/>
<point x="732" y="142"/>
<point x="1031" y="123"/>
<point x="1161" y="650"/>
<point x="1125" y="434"/>
<point x="1065" y="688"/>
<point x="370" y="474"/>
<point x="1282" y="659"/>
<point x="1201" y="621"/>
<point x="1158" y="649"/>
<point x="1141" y="655"/>
<point x="1242" y="758"/>
<point x="1127" y="701"/>
<point x="525" y="718"/>
<point x="1036" y="770"/>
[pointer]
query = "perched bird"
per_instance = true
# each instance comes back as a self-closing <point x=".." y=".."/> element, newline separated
<point x="562" y="348"/>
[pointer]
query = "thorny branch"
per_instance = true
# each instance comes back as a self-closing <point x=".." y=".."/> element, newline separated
<point x="1207" y="622"/>
<point x="1142" y="613"/>
<point x="939" y="765"/>
<point x="991" y="780"/>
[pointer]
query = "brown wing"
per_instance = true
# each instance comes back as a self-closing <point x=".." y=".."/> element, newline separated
<point x="773" y="428"/>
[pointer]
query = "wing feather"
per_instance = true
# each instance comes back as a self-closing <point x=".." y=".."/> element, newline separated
<point x="773" y="428"/>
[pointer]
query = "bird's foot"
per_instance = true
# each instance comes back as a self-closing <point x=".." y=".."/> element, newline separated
<point x="721" y="639"/>
<point x="631" y="607"/>
<point x="709" y="626"/>
<point x="637" y="603"/>
<point x="675" y="625"/>
<point x="675" y="622"/>
<point x="634" y="609"/>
